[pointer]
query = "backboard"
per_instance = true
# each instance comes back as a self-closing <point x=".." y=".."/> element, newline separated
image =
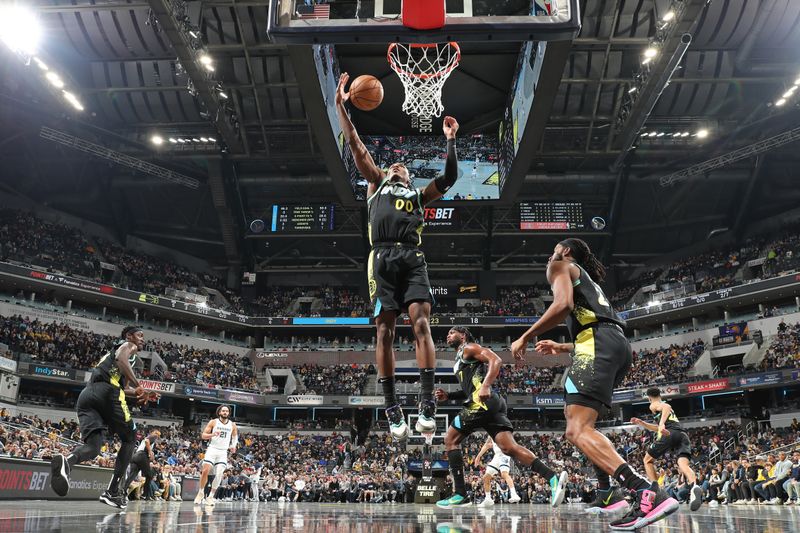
<point x="379" y="21"/>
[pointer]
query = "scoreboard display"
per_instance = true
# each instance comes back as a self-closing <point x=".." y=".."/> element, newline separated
<point x="302" y="218"/>
<point x="551" y="216"/>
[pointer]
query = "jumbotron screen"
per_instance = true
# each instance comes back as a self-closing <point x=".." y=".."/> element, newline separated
<point x="551" y="216"/>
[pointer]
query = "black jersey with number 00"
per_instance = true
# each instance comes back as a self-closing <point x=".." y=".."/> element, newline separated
<point x="591" y="305"/>
<point x="107" y="369"/>
<point x="395" y="215"/>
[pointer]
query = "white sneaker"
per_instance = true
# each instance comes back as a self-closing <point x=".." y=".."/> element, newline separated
<point x="514" y="499"/>
<point x="199" y="499"/>
<point x="397" y="424"/>
<point x="210" y="501"/>
<point x="713" y="503"/>
<point x="487" y="502"/>
<point x="775" y="501"/>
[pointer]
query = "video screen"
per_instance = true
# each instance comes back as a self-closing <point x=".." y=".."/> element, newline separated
<point x="425" y="156"/>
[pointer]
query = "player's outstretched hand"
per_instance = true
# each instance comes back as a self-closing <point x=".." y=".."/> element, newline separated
<point x="518" y="348"/>
<point x="341" y="95"/>
<point x="141" y="395"/>
<point x="548" y="347"/>
<point x="450" y="127"/>
<point x="636" y="421"/>
<point x="440" y="395"/>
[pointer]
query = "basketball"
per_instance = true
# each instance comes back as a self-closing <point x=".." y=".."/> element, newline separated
<point x="366" y="92"/>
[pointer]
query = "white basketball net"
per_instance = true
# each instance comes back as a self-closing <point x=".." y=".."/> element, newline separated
<point x="423" y="69"/>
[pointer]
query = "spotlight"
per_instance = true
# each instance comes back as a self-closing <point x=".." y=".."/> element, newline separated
<point x="194" y="139"/>
<point x="685" y="134"/>
<point x="194" y="34"/>
<point x="651" y="52"/>
<point x="212" y="139"/>
<point x="702" y="134"/>
<point x="73" y="101"/>
<point x="646" y="60"/>
<point x="797" y="81"/>
<point x="158" y="140"/>
<point x="790" y="92"/>
<point x="54" y="80"/>
<point x="223" y="95"/>
<point x="182" y="141"/>
<point x="205" y="59"/>
<point x="668" y="16"/>
<point x="40" y="64"/>
<point x="19" y="29"/>
<point x="173" y="140"/>
<point x="661" y="134"/>
<point x="203" y="139"/>
<point x="780" y="102"/>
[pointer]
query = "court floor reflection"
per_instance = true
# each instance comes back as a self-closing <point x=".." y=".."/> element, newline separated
<point x="166" y="517"/>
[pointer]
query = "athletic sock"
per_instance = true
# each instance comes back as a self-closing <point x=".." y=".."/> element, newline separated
<point x="426" y="377"/>
<point x="630" y="479"/>
<point x="387" y="384"/>
<point x="542" y="469"/>
<point x="121" y="465"/>
<point x="86" y="451"/>
<point x="457" y="471"/>
<point x="207" y="488"/>
<point x="603" y="479"/>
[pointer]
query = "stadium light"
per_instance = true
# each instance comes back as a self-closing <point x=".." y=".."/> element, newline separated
<point x="54" y="80"/>
<point x="20" y="29"/>
<point x="797" y="81"/>
<point x="173" y="140"/>
<point x="651" y="52"/>
<point x="790" y="92"/>
<point x="668" y="16"/>
<point x="702" y="134"/>
<point x="158" y="140"/>
<point x="182" y="141"/>
<point x="73" y="101"/>
<point x="632" y="90"/>
<point x="780" y="102"/>
<point x="204" y="139"/>
<point x="223" y="95"/>
<point x="41" y="64"/>
<point x="212" y="139"/>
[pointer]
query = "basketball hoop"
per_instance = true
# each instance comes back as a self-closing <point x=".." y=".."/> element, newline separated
<point x="423" y="69"/>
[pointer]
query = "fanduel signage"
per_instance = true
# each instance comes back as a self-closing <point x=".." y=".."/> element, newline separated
<point x="310" y="399"/>
<point x="51" y="371"/>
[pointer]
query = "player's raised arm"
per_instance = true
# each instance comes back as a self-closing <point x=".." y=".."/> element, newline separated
<point x="438" y="187"/>
<point x="364" y="162"/>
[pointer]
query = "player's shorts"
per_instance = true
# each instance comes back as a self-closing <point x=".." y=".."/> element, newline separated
<point x="397" y="275"/>
<point x="216" y="456"/>
<point x="101" y="406"/>
<point x="677" y="441"/>
<point x="492" y="418"/>
<point x="601" y="359"/>
<point x="499" y="464"/>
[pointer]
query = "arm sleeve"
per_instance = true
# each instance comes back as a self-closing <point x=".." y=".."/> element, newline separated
<point x="445" y="181"/>
<point x="458" y="395"/>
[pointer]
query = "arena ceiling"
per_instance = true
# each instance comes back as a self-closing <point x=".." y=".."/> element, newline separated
<point x="122" y="65"/>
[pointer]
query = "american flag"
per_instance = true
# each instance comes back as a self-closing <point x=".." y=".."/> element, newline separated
<point x="321" y="11"/>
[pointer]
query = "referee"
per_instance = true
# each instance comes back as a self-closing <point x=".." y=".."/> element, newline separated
<point x="396" y="268"/>
<point x="102" y="408"/>
<point x="140" y="462"/>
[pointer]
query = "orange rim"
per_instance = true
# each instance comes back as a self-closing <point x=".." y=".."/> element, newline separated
<point x="424" y="76"/>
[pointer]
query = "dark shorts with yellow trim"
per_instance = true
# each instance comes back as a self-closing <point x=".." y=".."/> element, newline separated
<point x="101" y="407"/>
<point x="601" y="359"/>
<point x="677" y="441"/>
<point x="398" y="276"/>
<point x="493" y="419"/>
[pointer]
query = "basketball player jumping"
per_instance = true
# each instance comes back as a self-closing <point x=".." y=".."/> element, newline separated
<point x="101" y="409"/>
<point x="477" y="369"/>
<point x="397" y="272"/>
<point x="669" y="436"/>
<point x="601" y="356"/>
<point x="223" y="437"/>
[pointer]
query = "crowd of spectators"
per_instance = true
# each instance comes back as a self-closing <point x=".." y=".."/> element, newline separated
<point x="527" y="379"/>
<point x="662" y="365"/>
<point x="784" y="349"/>
<point x="312" y="467"/>
<point x="345" y="379"/>
<point x="59" y="344"/>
